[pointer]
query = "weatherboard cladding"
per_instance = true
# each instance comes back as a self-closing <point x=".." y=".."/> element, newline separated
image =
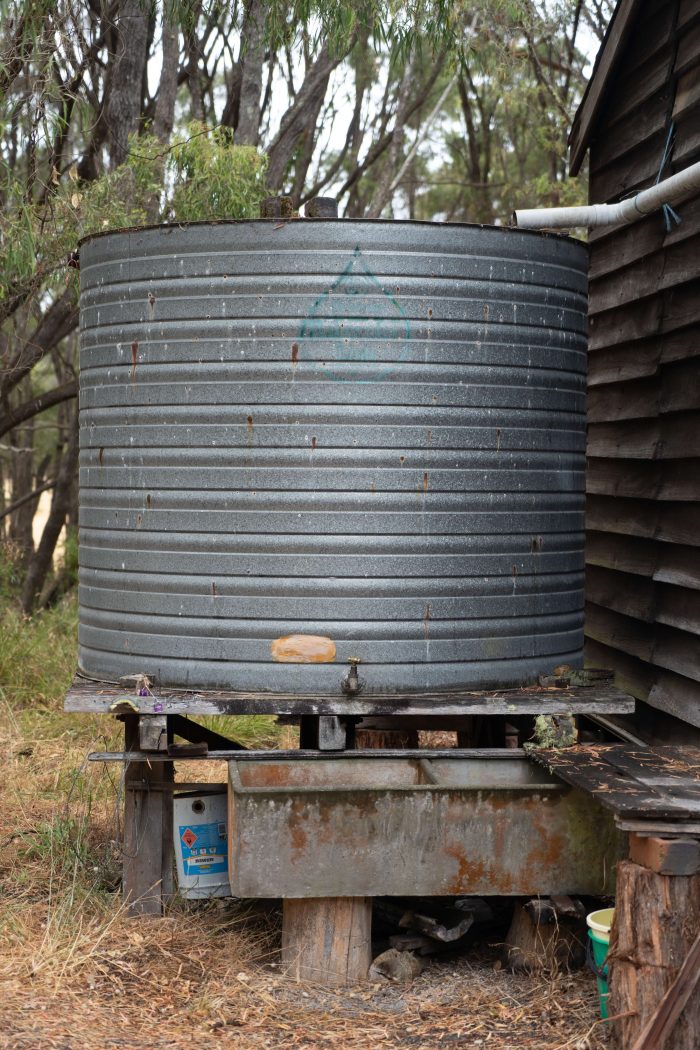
<point x="643" y="480"/>
<point x="371" y="433"/>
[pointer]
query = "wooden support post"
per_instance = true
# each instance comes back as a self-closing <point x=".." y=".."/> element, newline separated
<point x="147" y="879"/>
<point x="327" y="940"/>
<point x="657" y="918"/>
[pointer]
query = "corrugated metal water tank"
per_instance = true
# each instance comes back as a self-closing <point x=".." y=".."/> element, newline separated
<point x="309" y="442"/>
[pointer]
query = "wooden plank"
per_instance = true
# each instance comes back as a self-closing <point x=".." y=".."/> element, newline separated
<point x="618" y="136"/>
<point x="623" y="554"/>
<point x="644" y="479"/>
<point x="688" y="10"/>
<point x="670" y="522"/>
<point x="623" y="325"/>
<point x="619" y="364"/>
<point x="679" y="607"/>
<point x="148" y="831"/>
<point x="688" y="49"/>
<point x="86" y="695"/>
<point x="687" y="145"/>
<point x="621" y="592"/>
<point x="588" y="768"/>
<point x="618" y="32"/>
<point x="687" y="92"/>
<point x="676" y="695"/>
<point x="678" y="565"/>
<point x="636" y="170"/>
<point x="628" y="244"/>
<point x="672" y="265"/>
<point x="675" y="389"/>
<point x="620" y="632"/>
<point x="638" y="84"/>
<point x="668" y="437"/>
<point x="659" y="645"/>
<point x="634" y="676"/>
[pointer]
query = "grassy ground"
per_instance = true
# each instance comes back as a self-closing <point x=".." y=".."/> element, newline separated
<point x="76" y="973"/>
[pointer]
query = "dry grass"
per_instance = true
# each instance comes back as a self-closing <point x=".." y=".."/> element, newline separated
<point x="75" y="972"/>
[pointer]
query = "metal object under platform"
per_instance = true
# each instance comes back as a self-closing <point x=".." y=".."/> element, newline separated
<point x="473" y="824"/>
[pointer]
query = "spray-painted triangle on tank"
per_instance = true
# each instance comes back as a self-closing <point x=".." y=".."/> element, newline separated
<point x="361" y="331"/>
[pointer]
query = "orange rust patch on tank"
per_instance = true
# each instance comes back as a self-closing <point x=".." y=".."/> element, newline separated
<point x="303" y="649"/>
<point x="470" y="874"/>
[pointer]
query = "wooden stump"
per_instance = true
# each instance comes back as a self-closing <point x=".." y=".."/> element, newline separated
<point x="539" y="939"/>
<point x="327" y="940"/>
<point x="657" y="917"/>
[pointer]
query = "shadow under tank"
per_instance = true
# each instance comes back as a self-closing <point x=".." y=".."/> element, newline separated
<point x="311" y="442"/>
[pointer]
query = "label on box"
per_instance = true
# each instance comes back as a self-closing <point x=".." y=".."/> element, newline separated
<point x="204" y="848"/>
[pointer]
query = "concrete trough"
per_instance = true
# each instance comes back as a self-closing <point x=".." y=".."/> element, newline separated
<point x="365" y="827"/>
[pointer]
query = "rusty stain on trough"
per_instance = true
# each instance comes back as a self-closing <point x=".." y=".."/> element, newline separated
<point x="317" y="828"/>
<point x="303" y="649"/>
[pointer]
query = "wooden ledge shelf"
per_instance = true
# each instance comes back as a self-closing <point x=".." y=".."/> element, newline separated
<point x="648" y="788"/>
<point x="86" y="695"/>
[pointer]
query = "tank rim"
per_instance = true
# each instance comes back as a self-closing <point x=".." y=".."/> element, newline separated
<point x="549" y="235"/>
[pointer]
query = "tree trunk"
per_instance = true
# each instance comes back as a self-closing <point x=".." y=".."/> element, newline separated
<point x="252" y="58"/>
<point x="41" y="561"/>
<point x="657" y="918"/>
<point x="167" y="88"/>
<point x="124" y="102"/>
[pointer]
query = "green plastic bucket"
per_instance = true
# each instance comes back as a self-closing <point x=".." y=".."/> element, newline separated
<point x="599" y="923"/>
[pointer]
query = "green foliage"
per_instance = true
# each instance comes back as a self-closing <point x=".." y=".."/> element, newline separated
<point x="201" y="175"/>
<point x="212" y="178"/>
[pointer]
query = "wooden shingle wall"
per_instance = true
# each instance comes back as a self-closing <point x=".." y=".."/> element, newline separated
<point x="643" y="516"/>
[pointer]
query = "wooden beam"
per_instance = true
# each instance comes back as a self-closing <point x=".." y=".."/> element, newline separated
<point x="609" y="53"/>
<point x="147" y="881"/>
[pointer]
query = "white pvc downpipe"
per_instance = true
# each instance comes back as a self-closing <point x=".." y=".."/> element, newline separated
<point x="673" y="190"/>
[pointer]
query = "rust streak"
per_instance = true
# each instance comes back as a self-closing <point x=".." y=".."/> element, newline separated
<point x="425" y="481"/>
<point x="295" y="353"/>
<point x="303" y="649"/>
<point x="134" y="353"/>
<point x="101" y="456"/>
<point x="313" y="442"/>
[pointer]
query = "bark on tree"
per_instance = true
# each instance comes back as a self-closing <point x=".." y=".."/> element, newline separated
<point x="252" y="58"/>
<point x="167" y="87"/>
<point x="124" y="101"/>
<point x="59" y="320"/>
<point x="293" y="122"/>
<point x="657" y="917"/>
<point x="40" y="563"/>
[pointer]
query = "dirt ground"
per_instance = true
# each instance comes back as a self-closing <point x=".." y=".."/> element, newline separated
<point x="211" y="979"/>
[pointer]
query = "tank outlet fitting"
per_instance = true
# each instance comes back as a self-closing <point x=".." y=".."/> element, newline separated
<point x="352" y="683"/>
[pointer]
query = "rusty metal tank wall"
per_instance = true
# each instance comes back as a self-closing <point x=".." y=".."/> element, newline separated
<point x="313" y="441"/>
